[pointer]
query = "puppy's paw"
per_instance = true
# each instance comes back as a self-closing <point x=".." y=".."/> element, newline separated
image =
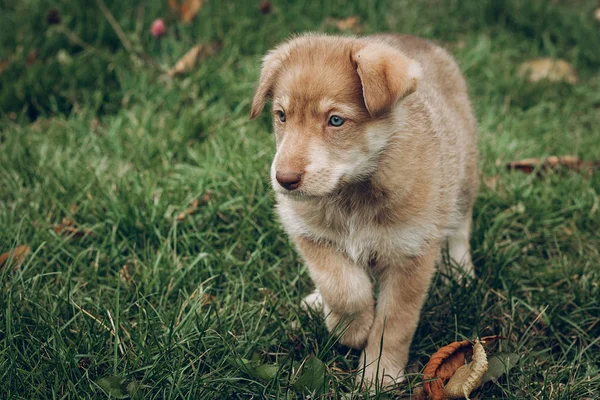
<point x="463" y="274"/>
<point x="355" y="328"/>
<point x="380" y="374"/>
<point x="313" y="301"/>
<point x="467" y="273"/>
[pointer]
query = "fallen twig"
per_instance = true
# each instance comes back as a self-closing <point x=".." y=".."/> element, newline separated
<point x="529" y="165"/>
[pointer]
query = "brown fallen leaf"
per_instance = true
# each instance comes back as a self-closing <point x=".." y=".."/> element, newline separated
<point x="207" y="299"/>
<point x="3" y="65"/>
<point x="189" y="60"/>
<point x="569" y="162"/>
<point x="33" y="56"/>
<point x="491" y="182"/>
<point x="467" y="377"/>
<point x="350" y="24"/>
<point x="71" y="231"/>
<point x="190" y="210"/>
<point x="550" y="69"/>
<point x="265" y="6"/>
<point x="443" y="364"/>
<point x="186" y="10"/>
<point x="18" y="255"/>
<point x="67" y="229"/>
<point x="125" y="275"/>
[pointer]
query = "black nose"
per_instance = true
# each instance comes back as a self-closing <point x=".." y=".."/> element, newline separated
<point x="289" y="180"/>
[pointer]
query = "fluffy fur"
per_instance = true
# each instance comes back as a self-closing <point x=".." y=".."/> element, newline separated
<point x="380" y="195"/>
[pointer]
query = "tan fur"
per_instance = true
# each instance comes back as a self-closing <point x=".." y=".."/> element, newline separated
<point x="380" y="195"/>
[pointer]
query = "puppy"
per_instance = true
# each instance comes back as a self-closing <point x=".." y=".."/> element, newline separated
<point x="375" y="171"/>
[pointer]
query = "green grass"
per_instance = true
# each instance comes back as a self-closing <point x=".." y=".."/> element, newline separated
<point x="174" y="306"/>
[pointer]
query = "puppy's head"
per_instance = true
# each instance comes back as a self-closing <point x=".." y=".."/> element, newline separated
<point x="332" y="99"/>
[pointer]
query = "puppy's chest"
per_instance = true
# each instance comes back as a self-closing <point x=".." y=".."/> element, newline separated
<point x="361" y="236"/>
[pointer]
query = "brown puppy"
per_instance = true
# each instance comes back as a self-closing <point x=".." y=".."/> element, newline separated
<point x="375" y="171"/>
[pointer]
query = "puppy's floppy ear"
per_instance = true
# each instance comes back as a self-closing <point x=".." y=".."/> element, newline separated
<point x="386" y="75"/>
<point x="270" y="68"/>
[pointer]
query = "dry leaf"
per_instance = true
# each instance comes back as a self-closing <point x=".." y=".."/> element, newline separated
<point x="350" y="24"/>
<point x="467" y="377"/>
<point x="33" y="56"/>
<point x="207" y="299"/>
<point x="189" y="60"/>
<point x="67" y="221"/>
<point x="445" y="362"/>
<point x="18" y="254"/>
<point x="453" y="355"/>
<point x="186" y="10"/>
<point x="491" y="182"/>
<point x="548" y="68"/>
<point x="3" y="65"/>
<point x="573" y="163"/>
<point x="67" y="228"/>
<point x="125" y="275"/>
<point x="71" y="231"/>
<point x="597" y="14"/>
<point x="191" y="209"/>
<point x="265" y="6"/>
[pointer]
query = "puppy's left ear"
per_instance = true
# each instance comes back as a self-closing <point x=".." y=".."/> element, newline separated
<point x="386" y="75"/>
<point x="271" y="65"/>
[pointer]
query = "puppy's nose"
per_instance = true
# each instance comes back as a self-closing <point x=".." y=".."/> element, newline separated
<point x="289" y="180"/>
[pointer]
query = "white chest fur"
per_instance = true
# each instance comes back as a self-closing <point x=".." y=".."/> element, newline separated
<point x="360" y="238"/>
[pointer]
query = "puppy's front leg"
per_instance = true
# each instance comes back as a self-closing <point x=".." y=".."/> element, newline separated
<point x="346" y="290"/>
<point x="402" y="292"/>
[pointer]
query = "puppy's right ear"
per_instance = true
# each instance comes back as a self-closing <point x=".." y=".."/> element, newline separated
<point x="271" y="64"/>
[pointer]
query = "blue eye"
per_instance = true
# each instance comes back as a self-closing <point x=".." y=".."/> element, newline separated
<point x="336" y="121"/>
<point x="281" y="116"/>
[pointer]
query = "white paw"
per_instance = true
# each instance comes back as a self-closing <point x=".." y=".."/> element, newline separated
<point x="355" y="328"/>
<point x="461" y="273"/>
<point x="380" y="375"/>
<point x="313" y="301"/>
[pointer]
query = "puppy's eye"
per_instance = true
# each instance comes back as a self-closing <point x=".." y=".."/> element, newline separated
<point x="336" y="121"/>
<point x="281" y="116"/>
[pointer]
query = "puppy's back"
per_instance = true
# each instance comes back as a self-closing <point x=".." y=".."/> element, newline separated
<point x="444" y="89"/>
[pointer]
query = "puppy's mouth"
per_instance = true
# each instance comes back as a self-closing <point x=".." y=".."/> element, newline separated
<point x="307" y="192"/>
<point x="297" y="195"/>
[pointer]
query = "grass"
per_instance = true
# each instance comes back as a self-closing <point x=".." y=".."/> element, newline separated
<point x="175" y="307"/>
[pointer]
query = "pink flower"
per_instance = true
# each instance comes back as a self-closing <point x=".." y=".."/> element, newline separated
<point x="158" y="28"/>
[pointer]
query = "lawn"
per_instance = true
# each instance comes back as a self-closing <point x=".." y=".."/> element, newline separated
<point x="174" y="279"/>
